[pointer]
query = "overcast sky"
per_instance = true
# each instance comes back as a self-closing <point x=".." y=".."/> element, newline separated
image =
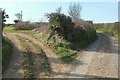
<point x="34" y="10"/>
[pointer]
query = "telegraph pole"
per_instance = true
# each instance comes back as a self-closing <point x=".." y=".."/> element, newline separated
<point x="21" y="15"/>
<point x="1" y="43"/>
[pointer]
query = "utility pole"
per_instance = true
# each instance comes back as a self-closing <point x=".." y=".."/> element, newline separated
<point x="21" y="15"/>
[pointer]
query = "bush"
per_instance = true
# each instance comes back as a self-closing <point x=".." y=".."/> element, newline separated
<point x="62" y="24"/>
<point x="24" y="26"/>
<point x="69" y="34"/>
<point x="65" y="54"/>
<point x="71" y="31"/>
<point x="84" y="31"/>
<point x="110" y="28"/>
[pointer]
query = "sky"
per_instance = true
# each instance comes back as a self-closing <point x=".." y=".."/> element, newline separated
<point x="34" y="11"/>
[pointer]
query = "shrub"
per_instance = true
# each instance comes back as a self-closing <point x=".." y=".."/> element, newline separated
<point x="65" y="54"/>
<point x="61" y="23"/>
<point x="69" y="34"/>
<point x="24" y="26"/>
<point x="84" y="31"/>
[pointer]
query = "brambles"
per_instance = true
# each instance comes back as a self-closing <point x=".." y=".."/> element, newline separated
<point x="25" y="26"/>
<point x="61" y="24"/>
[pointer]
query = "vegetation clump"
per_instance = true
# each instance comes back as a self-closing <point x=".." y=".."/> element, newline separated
<point x="109" y="28"/>
<point x="67" y="35"/>
<point x="61" y="24"/>
<point x="25" y="26"/>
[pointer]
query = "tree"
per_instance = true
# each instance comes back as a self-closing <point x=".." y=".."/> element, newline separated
<point x="4" y="16"/>
<point x="58" y="10"/>
<point x="19" y="17"/>
<point x="16" y="21"/>
<point x="74" y="11"/>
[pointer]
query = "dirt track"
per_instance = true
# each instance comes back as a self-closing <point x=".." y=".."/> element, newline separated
<point x="56" y="64"/>
<point x="100" y="59"/>
<point x="14" y="69"/>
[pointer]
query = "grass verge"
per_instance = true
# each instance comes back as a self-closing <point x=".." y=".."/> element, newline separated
<point x="7" y="49"/>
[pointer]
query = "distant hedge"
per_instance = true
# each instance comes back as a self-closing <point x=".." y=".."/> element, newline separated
<point x="110" y="28"/>
<point x="25" y="26"/>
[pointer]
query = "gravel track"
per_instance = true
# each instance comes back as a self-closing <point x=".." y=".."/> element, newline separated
<point x="99" y="60"/>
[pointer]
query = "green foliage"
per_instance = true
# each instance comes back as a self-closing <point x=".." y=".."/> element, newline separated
<point x="61" y="23"/>
<point x="67" y="55"/>
<point x="4" y="16"/>
<point x="84" y="32"/>
<point x="6" y="52"/>
<point x="91" y="35"/>
<point x="110" y="28"/>
<point x="62" y="44"/>
<point x="75" y="35"/>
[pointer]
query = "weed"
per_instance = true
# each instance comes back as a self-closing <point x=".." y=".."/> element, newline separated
<point x="67" y="55"/>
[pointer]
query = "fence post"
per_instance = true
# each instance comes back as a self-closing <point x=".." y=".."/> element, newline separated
<point x="0" y="44"/>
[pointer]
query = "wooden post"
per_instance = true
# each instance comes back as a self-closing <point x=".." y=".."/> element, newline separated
<point x="21" y="16"/>
<point x="0" y="44"/>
